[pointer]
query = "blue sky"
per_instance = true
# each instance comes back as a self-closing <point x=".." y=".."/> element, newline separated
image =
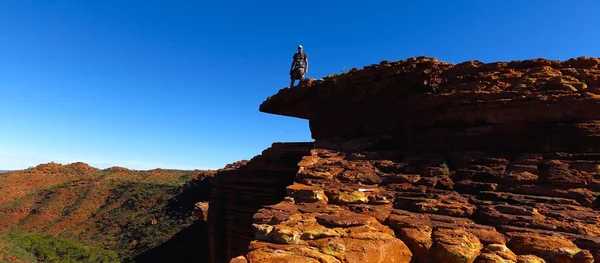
<point x="177" y="84"/>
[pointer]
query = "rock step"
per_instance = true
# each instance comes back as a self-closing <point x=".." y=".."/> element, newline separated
<point x="239" y="190"/>
<point x="431" y="209"/>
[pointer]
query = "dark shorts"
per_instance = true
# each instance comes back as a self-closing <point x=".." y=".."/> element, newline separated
<point x="297" y="73"/>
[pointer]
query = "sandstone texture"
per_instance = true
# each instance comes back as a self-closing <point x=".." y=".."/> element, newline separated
<point x="425" y="161"/>
<point x="239" y="190"/>
<point x="201" y="210"/>
<point x="422" y="208"/>
<point x="421" y="103"/>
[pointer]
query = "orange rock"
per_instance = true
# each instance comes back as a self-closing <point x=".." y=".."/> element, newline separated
<point x="304" y="173"/>
<point x="492" y="258"/>
<point x="551" y="248"/>
<point x="408" y="220"/>
<point x="529" y="259"/>
<point x="275" y="256"/>
<point x="524" y="176"/>
<point x="239" y="259"/>
<point x="308" y="161"/>
<point x="380" y="212"/>
<point x="454" y="246"/>
<point x="364" y="175"/>
<point x="377" y="251"/>
<point x="372" y="231"/>
<point x="343" y="220"/>
<point x="496" y="253"/>
<point x="335" y="247"/>
<point x="201" y="210"/>
<point x="306" y="193"/>
<point x="285" y="235"/>
<point x="419" y="241"/>
<point x="488" y="235"/>
<point x="584" y="256"/>
<point x="312" y="230"/>
<point x="269" y="253"/>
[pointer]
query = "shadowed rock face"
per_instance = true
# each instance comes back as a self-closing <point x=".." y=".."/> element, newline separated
<point x="239" y="190"/>
<point x="424" y="102"/>
<point x="425" y="161"/>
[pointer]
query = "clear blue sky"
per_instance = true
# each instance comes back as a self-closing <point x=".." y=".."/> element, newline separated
<point x="177" y="84"/>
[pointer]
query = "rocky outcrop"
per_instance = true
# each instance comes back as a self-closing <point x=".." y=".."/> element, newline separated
<point x="423" y="208"/>
<point x="201" y="210"/>
<point x="428" y="105"/>
<point x="239" y="190"/>
<point x="425" y="161"/>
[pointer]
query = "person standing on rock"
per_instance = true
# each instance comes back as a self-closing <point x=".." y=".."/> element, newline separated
<point x="299" y="66"/>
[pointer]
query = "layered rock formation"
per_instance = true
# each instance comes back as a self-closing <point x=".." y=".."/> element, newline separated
<point x="239" y="190"/>
<point x="465" y="207"/>
<point x="425" y="161"/>
<point x="423" y="99"/>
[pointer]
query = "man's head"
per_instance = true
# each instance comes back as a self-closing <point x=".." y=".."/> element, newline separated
<point x="300" y="48"/>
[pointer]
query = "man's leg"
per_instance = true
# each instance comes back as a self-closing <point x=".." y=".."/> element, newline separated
<point x="300" y="75"/>
<point x="294" y="76"/>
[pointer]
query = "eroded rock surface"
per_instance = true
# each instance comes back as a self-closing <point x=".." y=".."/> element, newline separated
<point x="239" y="190"/>
<point x="417" y="219"/>
<point x="420" y="102"/>
<point x="201" y="210"/>
<point x="425" y="161"/>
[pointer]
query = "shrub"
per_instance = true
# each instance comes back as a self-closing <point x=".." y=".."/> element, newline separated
<point x="48" y="248"/>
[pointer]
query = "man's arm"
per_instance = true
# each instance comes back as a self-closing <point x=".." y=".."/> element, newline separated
<point x="293" y="63"/>
<point x="306" y="63"/>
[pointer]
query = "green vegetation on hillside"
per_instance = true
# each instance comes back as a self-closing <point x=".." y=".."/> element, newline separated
<point x="47" y="248"/>
<point x="10" y="252"/>
<point x="141" y="220"/>
<point x="123" y="211"/>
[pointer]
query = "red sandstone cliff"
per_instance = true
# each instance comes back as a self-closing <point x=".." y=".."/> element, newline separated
<point x="425" y="161"/>
<point x="241" y="189"/>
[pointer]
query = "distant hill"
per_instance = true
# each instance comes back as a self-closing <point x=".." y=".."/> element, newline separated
<point x="4" y="171"/>
<point x="124" y="211"/>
